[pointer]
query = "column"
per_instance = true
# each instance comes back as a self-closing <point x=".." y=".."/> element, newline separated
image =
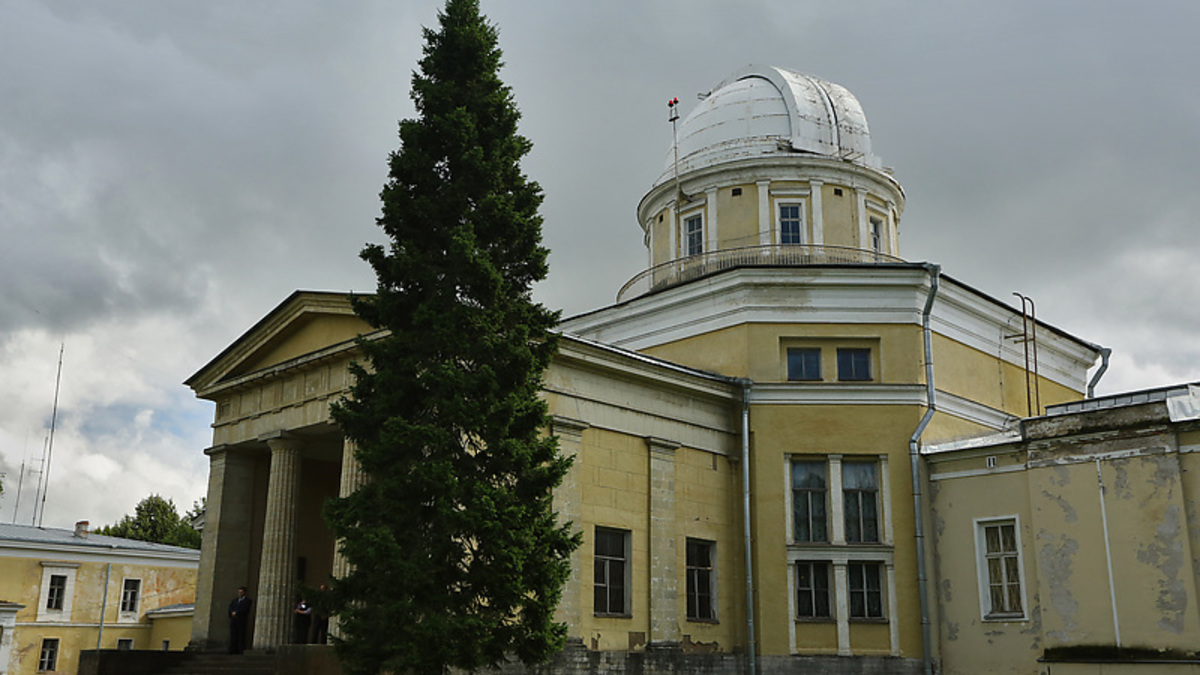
<point x="352" y="478"/>
<point x="664" y="574"/>
<point x="225" y="546"/>
<point x="818" y="215"/>
<point x="568" y="501"/>
<point x="672" y="232"/>
<point x="837" y="503"/>
<point x="841" y="591"/>
<point x="893" y="609"/>
<point x="277" y="571"/>
<point x="764" y="212"/>
<point x="860" y="205"/>
<point x="710" y="224"/>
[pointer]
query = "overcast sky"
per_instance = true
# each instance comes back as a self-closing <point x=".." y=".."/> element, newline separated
<point x="170" y="171"/>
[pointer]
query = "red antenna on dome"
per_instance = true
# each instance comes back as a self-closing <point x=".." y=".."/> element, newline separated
<point x="673" y="118"/>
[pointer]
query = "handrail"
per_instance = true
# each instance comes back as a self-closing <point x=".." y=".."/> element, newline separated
<point x="682" y="270"/>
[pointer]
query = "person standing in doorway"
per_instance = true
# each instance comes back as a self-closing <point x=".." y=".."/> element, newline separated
<point x="239" y="616"/>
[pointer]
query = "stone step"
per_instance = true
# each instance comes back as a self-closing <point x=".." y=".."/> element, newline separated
<point x="225" y="664"/>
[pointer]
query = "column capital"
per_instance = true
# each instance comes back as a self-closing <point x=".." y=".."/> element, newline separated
<point x="566" y="426"/>
<point x="661" y="446"/>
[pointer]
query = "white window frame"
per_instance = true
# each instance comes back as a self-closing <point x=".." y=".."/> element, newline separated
<point x="627" y="561"/>
<point x="877" y="232"/>
<point x="55" y="646"/>
<point x="984" y="580"/>
<point x="130" y="615"/>
<point x="51" y="569"/>
<point x="712" y="579"/>
<point x="800" y="207"/>
<point x="684" y="239"/>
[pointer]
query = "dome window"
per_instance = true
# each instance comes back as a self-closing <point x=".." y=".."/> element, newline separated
<point x="693" y="235"/>
<point x="791" y="223"/>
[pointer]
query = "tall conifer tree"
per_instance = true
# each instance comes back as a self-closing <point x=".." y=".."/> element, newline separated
<point x="457" y="556"/>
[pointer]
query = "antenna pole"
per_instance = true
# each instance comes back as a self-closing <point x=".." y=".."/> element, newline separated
<point x="53" y="422"/>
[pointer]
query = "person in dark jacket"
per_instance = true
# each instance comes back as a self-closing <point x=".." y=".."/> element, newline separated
<point x="239" y="616"/>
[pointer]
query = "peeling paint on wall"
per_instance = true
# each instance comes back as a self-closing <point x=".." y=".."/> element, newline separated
<point x="1166" y="554"/>
<point x="1055" y="558"/>
<point x="1069" y="513"/>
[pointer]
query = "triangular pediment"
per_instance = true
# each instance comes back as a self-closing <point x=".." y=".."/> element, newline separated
<point x="306" y="323"/>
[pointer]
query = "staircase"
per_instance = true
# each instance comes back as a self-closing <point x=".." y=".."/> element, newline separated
<point x="225" y="664"/>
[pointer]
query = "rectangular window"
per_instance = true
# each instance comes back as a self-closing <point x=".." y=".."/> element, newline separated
<point x="808" y="502"/>
<point x="48" y="660"/>
<point x="124" y="644"/>
<point x="877" y="235"/>
<point x="611" y="568"/>
<point x="804" y="364"/>
<point x="791" y="224"/>
<point x="860" y="502"/>
<point x="700" y="580"/>
<point x="693" y="235"/>
<point x="812" y="590"/>
<point x="1002" y="561"/>
<point x="854" y="364"/>
<point x="866" y="590"/>
<point x="58" y="590"/>
<point x="129" y="595"/>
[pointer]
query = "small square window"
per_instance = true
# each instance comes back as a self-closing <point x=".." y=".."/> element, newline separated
<point x="877" y="235"/>
<point x="791" y="224"/>
<point x="700" y="580"/>
<point x="48" y="659"/>
<point x="693" y="235"/>
<point x="124" y="644"/>
<point x="854" y="364"/>
<point x="1000" y="569"/>
<point x="812" y="590"/>
<point x="58" y="590"/>
<point x="129" y="595"/>
<point x="866" y="590"/>
<point x="804" y="364"/>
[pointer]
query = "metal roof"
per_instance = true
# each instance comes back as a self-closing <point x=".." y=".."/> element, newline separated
<point x="53" y="536"/>
<point x="763" y="110"/>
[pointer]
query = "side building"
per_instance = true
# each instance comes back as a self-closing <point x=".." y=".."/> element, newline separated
<point x="64" y="591"/>
<point x="1071" y="544"/>
<point x="746" y="419"/>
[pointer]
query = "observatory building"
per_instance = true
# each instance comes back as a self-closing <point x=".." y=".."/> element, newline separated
<point x="751" y="423"/>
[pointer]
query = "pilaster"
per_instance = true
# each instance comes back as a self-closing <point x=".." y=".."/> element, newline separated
<point x="860" y="206"/>
<point x="664" y="577"/>
<point x="277" y="571"/>
<point x="710" y="220"/>
<point x="841" y="591"/>
<point x="818" y="214"/>
<point x="764" y="212"/>
<point x="568" y="500"/>
<point x="837" y="505"/>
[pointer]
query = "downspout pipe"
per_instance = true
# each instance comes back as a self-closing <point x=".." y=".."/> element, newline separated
<point x="914" y="459"/>
<point x="1105" y="352"/>
<point x="103" y="605"/>
<point x="752" y="663"/>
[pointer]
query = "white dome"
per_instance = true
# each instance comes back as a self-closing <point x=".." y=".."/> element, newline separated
<point x="763" y="110"/>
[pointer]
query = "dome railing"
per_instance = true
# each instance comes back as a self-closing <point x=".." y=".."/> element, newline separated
<point x="682" y="270"/>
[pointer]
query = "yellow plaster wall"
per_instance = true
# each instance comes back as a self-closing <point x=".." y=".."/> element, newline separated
<point x="177" y="630"/>
<point x="780" y="431"/>
<point x="1011" y="646"/>
<point x="840" y="216"/>
<point x="614" y="480"/>
<point x="985" y="378"/>
<point x="21" y="580"/>
<point x="305" y="337"/>
<point x="737" y="217"/>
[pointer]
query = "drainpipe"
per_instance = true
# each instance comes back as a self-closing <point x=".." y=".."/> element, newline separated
<point x="1105" y="352"/>
<point x="103" y="605"/>
<point x="914" y="458"/>
<point x="750" y="638"/>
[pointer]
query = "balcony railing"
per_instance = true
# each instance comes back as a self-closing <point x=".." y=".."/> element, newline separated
<point x="682" y="270"/>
